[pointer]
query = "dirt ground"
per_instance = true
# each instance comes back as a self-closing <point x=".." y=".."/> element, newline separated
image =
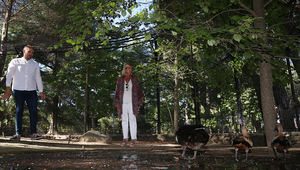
<point x="62" y="154"/>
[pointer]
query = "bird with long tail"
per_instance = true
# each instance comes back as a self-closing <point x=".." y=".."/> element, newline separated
<point x="280" y="143"/>
<point x="242" y="142"/>
<point x="192" y="137"/>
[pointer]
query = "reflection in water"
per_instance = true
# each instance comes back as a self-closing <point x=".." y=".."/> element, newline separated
<point x="137" y="159"/>
<point x="131" y="159"/>
<point x="135" y="162"/>
<point x="229" y="164"/>
<point x="159" y="167"/>
<point x="187" y="164"/>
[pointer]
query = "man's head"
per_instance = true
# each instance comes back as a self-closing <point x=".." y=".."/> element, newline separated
<point x="28" y="52"/>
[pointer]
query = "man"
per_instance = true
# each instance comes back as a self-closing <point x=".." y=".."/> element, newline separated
<point x="26" y="77"/>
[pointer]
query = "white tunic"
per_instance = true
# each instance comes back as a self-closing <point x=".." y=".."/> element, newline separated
<point x="127" y="96"/>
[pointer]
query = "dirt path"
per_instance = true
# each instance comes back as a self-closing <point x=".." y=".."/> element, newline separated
<point x="59" y="154"/>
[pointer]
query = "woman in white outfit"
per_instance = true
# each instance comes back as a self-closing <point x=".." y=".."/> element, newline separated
<point x="128" y="98"/>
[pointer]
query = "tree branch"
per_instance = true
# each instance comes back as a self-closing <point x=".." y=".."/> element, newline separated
<point x="21" y="9"/>
<point x="279" y="24"/>
<point x="170" y="12"/>
<point x="268" y="3"/>
<point x="230" y="10"/>
<point x="4" y="3"/>
<point x="247" y="9"/>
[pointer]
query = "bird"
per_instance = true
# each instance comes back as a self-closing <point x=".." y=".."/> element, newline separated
<point x="242" y="142"/>
<point x="280" y="143"/>
<point x="193" y="137"/>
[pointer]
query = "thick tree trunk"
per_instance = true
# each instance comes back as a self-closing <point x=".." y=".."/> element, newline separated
<point x="286" y="114"/>
<point x="4" y="35"/>
<point x="266" y="87"/>
<point x="53" y="102"/>
<point x="267" y="99"/>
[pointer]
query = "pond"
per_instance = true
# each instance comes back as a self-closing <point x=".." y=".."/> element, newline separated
<point x="143" y="158"/>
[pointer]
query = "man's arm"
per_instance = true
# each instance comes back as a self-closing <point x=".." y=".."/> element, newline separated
<point x="39" y="82"/>
<point x="38" y="79"/>
<point x="43" y="97"/>
<point x="6" y="94"/>
<point x="10" y="72"/>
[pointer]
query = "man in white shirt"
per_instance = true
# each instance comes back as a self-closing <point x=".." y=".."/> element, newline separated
<point x="26" y="77"/>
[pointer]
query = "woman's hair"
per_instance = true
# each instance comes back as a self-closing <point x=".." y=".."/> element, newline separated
<point x="125" y="66"/>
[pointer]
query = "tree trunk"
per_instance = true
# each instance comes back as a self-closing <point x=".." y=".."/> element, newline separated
<point x="267" y="100"/>
<point x="205" y="101"/>
<point x="157" y="88"/>
<point x="196" y="101"/>
<point x="222" y="121"/>
<point x="53" y="102"/>
<point x="86" y="100"/>
<point x="256" y="84"/>
<point x="294" y="54"/>
<point x="235" y="125"/>
<point x="295" y="102"/>
<point x="4" y="34"/>
<point x="176" y="96"/>
<point x="158" y="107"/>
<point x="53" y="117"/>
<point x="238" y="101"/>
<point x="267" y="97"/>
<point x="286" y="114"/>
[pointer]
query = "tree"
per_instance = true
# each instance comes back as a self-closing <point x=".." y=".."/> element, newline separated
<point x="7" y="7"/>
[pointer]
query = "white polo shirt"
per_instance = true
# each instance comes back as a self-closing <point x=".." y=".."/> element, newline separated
<point x="25" y="74"/>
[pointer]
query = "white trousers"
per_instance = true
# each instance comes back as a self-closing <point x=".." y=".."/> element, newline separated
<point x="128" y="117"/>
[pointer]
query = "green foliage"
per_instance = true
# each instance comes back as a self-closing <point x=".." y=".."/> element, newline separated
<point x="105" y="125"/>
<point x="213" y="41"/>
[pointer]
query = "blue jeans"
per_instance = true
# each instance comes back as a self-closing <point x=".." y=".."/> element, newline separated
<point x="30" y="97"/>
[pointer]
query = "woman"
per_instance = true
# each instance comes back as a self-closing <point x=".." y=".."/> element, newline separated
<point x="128" y="98"/>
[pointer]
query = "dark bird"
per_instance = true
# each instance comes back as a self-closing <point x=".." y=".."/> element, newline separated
<point x="242" y="142"/>
<point x="280" y="143"/>
<point x="193" y="137"/>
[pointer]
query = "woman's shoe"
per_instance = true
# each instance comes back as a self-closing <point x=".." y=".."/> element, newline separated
<point x="124" y="142"/>
<point x="132" y="143"/>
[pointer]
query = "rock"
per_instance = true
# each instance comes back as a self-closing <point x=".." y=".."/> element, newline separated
<point x="95" y="136"/>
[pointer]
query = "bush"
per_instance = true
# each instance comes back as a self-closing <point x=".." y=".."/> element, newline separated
<point x="105" y="125"/>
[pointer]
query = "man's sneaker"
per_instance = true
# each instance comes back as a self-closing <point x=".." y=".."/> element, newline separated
<point x="16" y="138"/>
<point x="36" y="137"/>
